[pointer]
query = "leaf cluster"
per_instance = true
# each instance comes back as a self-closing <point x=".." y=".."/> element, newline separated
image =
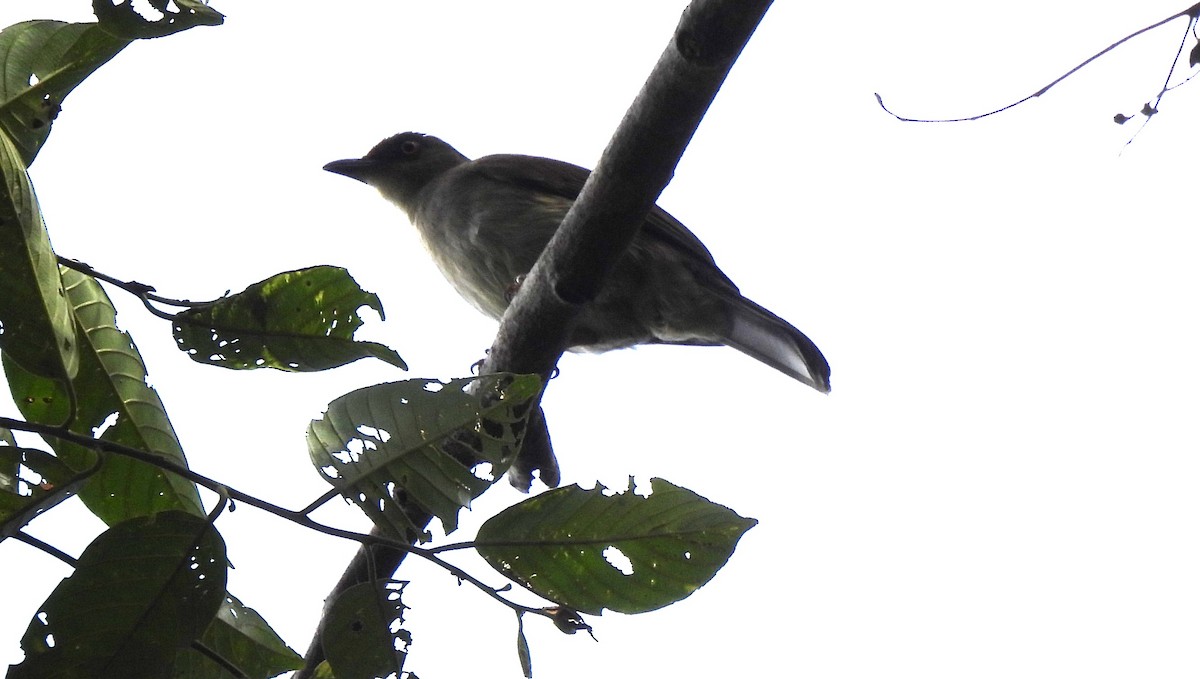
<point x="148" y="597"/>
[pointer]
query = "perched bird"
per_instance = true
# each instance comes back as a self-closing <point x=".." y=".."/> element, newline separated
<point x="486" y="221"/>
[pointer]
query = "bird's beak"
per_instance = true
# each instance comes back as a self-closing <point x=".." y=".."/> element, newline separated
<point x="354" y="168"/>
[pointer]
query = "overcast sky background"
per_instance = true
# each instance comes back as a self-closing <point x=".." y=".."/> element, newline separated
<point x="1003" y="480"/>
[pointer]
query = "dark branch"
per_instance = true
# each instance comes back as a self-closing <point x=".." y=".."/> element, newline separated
<point x="229" y="494"/>
<point x="632" y="172"/>
<point x="22" y="536"/>
<point x="140" y="290"/>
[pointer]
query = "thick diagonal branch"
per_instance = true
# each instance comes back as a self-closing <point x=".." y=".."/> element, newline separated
<point x="633" y="170"/>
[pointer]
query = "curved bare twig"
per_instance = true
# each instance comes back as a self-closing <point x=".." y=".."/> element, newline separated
<point x="1191" y="12"/>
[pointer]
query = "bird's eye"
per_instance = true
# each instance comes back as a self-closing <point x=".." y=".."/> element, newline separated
<point x="409" y="148"/>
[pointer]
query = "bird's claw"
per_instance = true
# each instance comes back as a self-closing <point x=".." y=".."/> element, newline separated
<point x="513" y="288"/>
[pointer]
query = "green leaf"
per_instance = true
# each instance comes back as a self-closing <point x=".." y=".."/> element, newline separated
<point x="296" y="321"/>
<point x="523" y="655"/>
<point x="142" y="591"/>
<point x="421" y="438"/>
<point x="31" y="481"/>
<point x="9" y="463"/>
<point x="112" y="394"/>
<point x="36" y="328"/>
<point x="559" y="545"/>
<point x="241" y="636"/>
<point x="120" y="18"/>
<point x="42" y="62"/>
<point x="357" y="635"/>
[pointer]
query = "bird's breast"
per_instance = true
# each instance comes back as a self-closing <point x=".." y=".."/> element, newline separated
<point x="488" y="237"/>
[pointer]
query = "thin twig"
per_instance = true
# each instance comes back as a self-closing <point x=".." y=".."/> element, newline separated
<point x="140" y="290"/>
<point x="229" y="493"/>
<point x="1191" y="12"/>
<point x="453" y="546"/>
<point x="22" y="536"/>
<point x="1150" y="110"/>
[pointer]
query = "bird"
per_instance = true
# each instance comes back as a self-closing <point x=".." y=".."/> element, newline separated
<point x="486" y="221"/>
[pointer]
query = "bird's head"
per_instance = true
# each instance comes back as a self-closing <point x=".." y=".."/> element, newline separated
<point x="401" y="165"/>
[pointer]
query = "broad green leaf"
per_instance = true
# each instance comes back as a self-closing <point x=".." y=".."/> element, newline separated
<point x="241" y="636"/>
<point x="36" y="328"/>
<point x="121" y="18"/>
<point x="112" y="394"/>
<point x="31" y="481"/>
<point x="421" y="438"/>
<point x="357" y="634"/>
<point x="296" y="321"/>
<point x="567" y="546"/>
<point x="40" y="63"/>
<point x="141" y="592"/>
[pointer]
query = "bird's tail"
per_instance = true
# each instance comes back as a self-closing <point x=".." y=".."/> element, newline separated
<point x="762" y="335"/>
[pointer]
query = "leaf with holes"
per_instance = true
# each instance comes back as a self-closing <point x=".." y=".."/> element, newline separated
<point x="9" y="464"/>
<point x="241" y="636"/>
<point x="422" y="439"/>
<point x="141" y="592"/>
<point x="362" y="636"/>
<point x="43" y="61"/>
<point x="297" y="321"/>
<point x="31" y="481"/>
<point x="114" y="399"/>
<point x="590" y="550"/>
<point x="121" y="18"/>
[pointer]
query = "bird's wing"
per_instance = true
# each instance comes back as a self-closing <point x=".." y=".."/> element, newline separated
<point x="543" y="175"/>
<point x="559" y="178"/>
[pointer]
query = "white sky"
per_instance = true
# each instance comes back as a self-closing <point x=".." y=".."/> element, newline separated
<point x="1003" y="481"/>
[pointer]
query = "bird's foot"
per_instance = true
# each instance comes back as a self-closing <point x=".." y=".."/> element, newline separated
<point x="513" y="288"/>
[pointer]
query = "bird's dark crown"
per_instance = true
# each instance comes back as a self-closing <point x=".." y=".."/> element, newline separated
<point x="407" y="145"/>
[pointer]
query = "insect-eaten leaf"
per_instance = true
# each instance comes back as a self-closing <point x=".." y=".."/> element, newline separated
<point x="362" y="634"/>
<point x="242" y="637"/>
<point x="122" y="19"/>
<point x="589" y="550"/>
<point x="43" y="62"/>
<point x="31" y="481"/>
<point x="298" y="321"/>
<point x="568" y="620"/>
<point x="406" y="450"/>
<point x="141" y="592"/>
